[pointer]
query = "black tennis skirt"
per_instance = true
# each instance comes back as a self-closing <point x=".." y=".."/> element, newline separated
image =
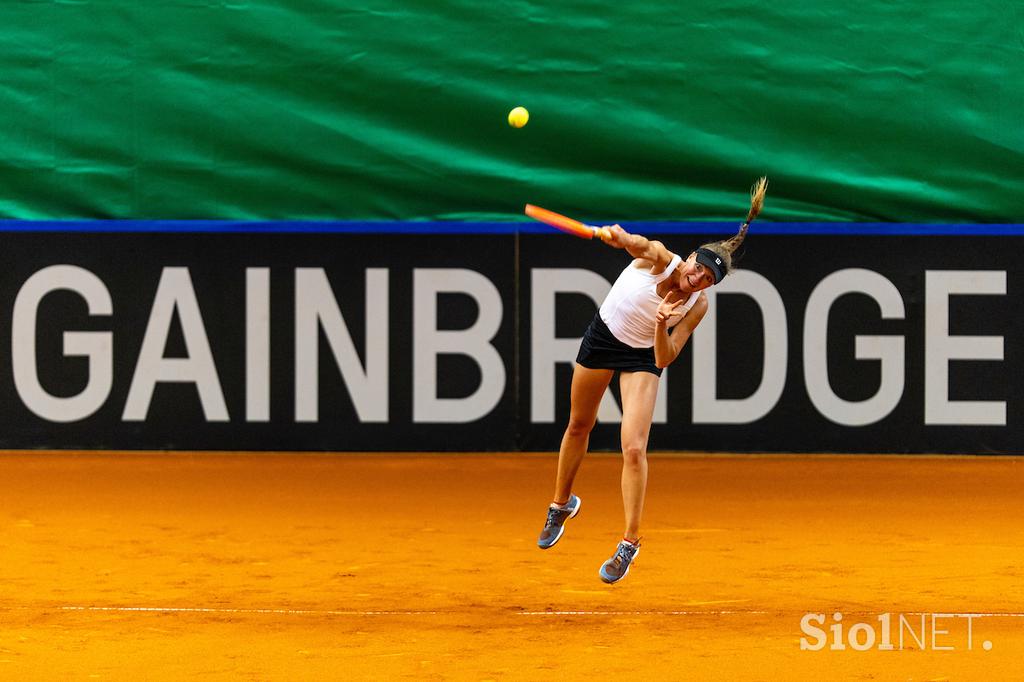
<point x="601" y="350"/>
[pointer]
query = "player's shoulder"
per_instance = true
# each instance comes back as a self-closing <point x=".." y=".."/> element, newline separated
<point x="657" y="259"/>
<point x="641" y="264"/>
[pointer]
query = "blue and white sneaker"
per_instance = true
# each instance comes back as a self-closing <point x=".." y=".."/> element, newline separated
<point x="616" y="568"/>
<point x="555" y="525"/>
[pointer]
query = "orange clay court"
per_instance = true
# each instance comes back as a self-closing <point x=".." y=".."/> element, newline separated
<point x="300" y="566"/>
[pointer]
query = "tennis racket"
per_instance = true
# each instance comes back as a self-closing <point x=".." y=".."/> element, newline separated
<point x="566" y="224"/>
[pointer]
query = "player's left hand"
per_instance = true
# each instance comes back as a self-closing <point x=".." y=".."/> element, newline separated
<point x="668" y="311"/>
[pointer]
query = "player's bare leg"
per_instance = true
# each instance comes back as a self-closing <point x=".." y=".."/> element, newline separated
<point x="639" y="392"/>
<point x="588" y="386"/>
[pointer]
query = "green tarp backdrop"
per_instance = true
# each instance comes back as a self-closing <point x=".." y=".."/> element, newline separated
<point x="641" y="110"/>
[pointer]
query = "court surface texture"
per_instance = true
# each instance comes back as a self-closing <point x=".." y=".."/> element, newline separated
<point x="126" y="566"/>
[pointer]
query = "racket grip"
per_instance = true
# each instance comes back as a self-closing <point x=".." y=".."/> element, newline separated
<point x="602" y="233"/>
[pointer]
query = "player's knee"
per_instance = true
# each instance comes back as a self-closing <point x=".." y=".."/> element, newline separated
<point x="634" y="454"/>
<point x="579" y="428"/>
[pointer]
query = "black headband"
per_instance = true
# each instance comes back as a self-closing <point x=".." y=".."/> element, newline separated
<point x="712" y="261"/>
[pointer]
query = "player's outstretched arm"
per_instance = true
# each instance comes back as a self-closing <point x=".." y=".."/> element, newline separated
<point x="638" y="246"/>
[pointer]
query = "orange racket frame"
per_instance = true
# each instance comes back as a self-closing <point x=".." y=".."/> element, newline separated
<point x="566" y="224"/>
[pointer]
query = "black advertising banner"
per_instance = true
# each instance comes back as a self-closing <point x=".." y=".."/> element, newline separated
<point x="258" y="341"/>
<point x="818" y="343"/>
<point x="465" y="341"/>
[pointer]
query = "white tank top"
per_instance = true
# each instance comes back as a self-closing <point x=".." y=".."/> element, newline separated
<point x="631" y="305"/>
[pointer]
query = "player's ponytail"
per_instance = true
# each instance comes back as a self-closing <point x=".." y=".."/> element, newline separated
<point x="725" y="249"/>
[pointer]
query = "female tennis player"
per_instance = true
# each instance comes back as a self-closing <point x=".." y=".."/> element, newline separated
<point x="642" y="325"/>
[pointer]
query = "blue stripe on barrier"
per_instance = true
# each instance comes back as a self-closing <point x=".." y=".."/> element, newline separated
<point x="454" y="227"/>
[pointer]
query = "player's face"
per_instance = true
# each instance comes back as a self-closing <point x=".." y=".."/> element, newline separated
<point x="693" y="276"/>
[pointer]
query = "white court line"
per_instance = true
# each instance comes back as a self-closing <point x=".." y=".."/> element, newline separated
<point x="638" y="613"/>
<point x="313" y="612"/>
<point x="330" y="612"/>
<point x="939" y="614"/>
<point x="195" y="609"/>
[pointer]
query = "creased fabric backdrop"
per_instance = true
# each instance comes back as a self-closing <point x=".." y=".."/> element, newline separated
<point x="641" y="110"/>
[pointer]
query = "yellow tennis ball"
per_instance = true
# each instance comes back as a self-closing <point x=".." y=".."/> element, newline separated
<point x="518" y="117"/>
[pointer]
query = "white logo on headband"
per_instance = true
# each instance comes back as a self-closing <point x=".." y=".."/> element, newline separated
<point x="718" y="261"/>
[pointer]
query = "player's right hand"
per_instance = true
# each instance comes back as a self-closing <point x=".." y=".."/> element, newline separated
<point x="613" y="235"/>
